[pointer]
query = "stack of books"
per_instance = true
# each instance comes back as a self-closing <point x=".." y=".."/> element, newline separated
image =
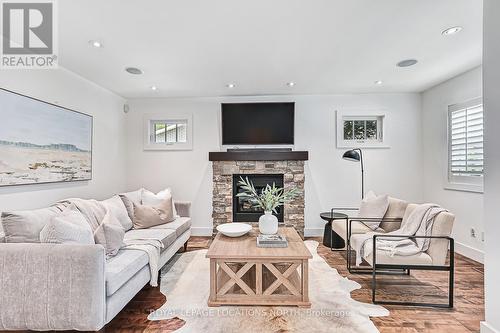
<point x="272" y="241"/>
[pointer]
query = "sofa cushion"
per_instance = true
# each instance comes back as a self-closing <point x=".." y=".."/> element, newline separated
<point x="25" y="226"/>
<point x="122" y="267"/>
<point x="117" y="207"/>
<point x="167" y="236"/>
<point x="180" y="225"/>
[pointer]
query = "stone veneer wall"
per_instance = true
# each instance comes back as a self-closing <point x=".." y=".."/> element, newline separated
<point x="222" y="200"/>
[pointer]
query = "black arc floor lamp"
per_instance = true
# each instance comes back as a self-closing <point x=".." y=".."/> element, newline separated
<point x="356" y="155"/>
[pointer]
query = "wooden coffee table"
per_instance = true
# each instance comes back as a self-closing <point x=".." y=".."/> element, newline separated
<point x="243" y="274"/>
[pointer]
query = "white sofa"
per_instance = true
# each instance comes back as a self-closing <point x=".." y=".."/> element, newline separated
<point x="66" y="287"/>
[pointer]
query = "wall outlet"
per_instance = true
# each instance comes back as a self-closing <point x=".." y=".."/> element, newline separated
<point x="473" y="232"/>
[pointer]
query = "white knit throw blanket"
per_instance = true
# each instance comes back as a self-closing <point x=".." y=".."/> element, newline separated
<point x="418" y="223"/>
<point x="149" y="242"/>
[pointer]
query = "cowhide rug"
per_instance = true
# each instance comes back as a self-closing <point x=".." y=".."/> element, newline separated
<point x="185" y="283"/>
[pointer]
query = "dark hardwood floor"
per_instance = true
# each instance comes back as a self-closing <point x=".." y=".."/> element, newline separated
<point x="465" y="317"/>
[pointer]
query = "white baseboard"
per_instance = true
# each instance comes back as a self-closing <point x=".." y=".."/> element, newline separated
<point x="486" y="328"/>
<point x="469" y="252"/>
<point x="201" y="231"/>
<point x="313" y="232"/>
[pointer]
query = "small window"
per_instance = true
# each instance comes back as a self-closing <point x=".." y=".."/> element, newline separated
<point x="359" y="131"/>
<point x="173" y="133"/>
<point x="168" y="132"/>
<point x="465" y="141"/>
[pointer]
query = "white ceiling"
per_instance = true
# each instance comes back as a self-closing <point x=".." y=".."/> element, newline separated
<point x="196" y="47"/>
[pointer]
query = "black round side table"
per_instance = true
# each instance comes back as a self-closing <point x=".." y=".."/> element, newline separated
<point x="330" y="237"/>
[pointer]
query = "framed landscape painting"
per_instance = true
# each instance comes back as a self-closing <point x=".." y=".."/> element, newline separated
<point x="42" y="142"/>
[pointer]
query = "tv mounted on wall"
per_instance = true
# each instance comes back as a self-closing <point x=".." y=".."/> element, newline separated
<point x="258" y="123"/>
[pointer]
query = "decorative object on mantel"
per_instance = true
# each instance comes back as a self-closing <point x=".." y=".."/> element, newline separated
<point x="269" y="199"/>
<point x="234" y="229"/>
<point x="356" y="155"/>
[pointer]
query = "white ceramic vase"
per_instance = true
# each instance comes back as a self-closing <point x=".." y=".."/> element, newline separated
<point x="268" y="224"/>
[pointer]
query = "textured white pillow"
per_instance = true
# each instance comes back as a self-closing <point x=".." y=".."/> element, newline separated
<point x="69" y="227"/>
<point x="116" y="206"/>
<point x="373" y="206"/>
<point x="151" y="199"/>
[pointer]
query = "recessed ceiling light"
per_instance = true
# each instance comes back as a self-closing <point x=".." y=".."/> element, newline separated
<point x="95" y="43"/>
<point x="290" y="84"/>
<point x="407" y="63"/>
<point x="134" y="70"/>
<point x="451" y="31"/>
<point x="154" y="88"/>
<point x="378" y="82"/>
<point x="230" y="85"/>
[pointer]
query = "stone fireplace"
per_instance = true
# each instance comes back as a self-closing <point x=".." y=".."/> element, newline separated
<point x="243" y="210"/>
<point x="226" y="170"/>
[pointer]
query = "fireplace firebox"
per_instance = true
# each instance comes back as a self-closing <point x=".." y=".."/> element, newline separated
<point x="243" y="210"/>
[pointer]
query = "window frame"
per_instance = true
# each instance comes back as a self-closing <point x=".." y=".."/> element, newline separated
<point x="380" y="117"/>
<point x="461" y="182"/>
<point x="149" y="140"/>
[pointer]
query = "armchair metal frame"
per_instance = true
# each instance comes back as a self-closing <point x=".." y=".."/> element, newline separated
<point x="450" y="268"/>
<point x="337" y="209"/>
<point x="367" y="270"/>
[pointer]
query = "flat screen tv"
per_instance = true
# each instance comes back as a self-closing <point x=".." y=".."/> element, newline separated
<point x="258" y="123"/>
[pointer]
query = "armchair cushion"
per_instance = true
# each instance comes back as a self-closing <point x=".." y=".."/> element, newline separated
<point x="384" y="257"/>
<point x="340" y="228"/>
<point x="438" y="248"/>
<point x="396" y="210"/>
<point x="373" y="206"/>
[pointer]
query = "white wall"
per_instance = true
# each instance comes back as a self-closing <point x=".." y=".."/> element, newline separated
<point x="330" y="181"/>
<point x="74" y="92"/>
<point x="491" y="83"/>
<point x="467" y="206"/>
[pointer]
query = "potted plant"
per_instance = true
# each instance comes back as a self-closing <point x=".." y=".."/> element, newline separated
<point x="268" y="200"/>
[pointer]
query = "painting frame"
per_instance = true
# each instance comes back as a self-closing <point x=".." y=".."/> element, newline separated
<point x="62" y="108"/>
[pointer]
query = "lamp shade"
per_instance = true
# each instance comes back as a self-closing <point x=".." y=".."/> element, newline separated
<point x="352" y="155"/>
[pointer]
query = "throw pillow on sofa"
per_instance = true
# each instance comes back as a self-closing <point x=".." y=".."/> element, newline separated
<point x="131" y="198"/>
<point x="373" y="206"/>
<point x="68" y="227"/>
<point x="110" y="234"/>
<point x="116" y="206"/>
<point x="151" y="199"/>
<point x="146" y="216"/>
<point x="25" y="226"/>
